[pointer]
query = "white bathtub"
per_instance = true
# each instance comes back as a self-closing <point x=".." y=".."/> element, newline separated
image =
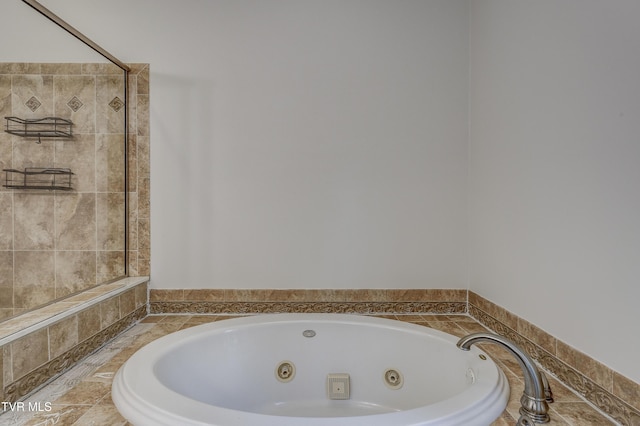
<point x="226" y="373"/>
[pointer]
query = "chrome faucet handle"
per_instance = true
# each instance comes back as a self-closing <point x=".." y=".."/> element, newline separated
<point x="548" y="394"/>
<point x="534" y="408"/>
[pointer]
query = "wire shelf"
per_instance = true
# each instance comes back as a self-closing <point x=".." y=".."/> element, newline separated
<point x="47" y="127"/>
<point x="38" y="178"/>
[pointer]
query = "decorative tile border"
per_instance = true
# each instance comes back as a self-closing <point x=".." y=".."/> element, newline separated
<point x="385" y="301"/>
<point x="308" y="307"/>
<point x="600" y="389"/>
<point x="45" y="372"/>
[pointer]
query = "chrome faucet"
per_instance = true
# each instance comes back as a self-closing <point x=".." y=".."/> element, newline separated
<point x="534" y="407"/>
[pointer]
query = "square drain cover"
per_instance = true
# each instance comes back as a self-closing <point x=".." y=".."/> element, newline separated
<point x="338" y="386"/>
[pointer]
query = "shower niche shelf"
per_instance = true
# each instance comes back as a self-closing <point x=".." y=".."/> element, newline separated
<point x="47" y="127"/>
<point x="49" y="178"/>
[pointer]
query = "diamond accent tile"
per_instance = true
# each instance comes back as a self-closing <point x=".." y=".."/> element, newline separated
<point x="116" y="104"/>
<point x="75" y="104"/>
<point x="33" y="103"/>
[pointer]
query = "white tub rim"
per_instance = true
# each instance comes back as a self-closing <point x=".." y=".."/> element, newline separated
<point x="189" y="412"/>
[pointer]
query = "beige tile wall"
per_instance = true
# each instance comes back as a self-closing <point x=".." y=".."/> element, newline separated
<point x="45" y="253"/>
<point x="55" y="243"/>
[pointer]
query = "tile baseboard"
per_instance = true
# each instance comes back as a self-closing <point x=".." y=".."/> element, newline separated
<point x="607" y="390"/>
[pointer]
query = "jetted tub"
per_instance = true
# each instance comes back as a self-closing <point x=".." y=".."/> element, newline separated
<point x="309" y="370"/>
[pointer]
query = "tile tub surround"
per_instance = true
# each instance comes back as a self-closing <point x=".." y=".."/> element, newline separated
<point x="82" y="396"/>
<point x="43" y="343"/>
<point x="608" y="390"/>
<point x="360" y="301"/>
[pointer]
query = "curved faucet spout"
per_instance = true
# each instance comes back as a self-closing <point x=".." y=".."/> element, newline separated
<point x="534" y="404"/>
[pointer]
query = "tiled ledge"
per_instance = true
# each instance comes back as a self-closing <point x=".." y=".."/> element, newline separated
<point x="361" y="301"/>
<point x="608" y="390"/>
<point x="26" y="323"/>
<point x="54" y="338"/>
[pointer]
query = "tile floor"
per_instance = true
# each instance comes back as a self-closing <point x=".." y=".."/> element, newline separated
<point x="82" y="396"/>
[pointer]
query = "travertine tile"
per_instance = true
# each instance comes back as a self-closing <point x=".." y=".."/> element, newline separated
<point x="79" y="155"/>
<point x="26" y="86"/>
<point x="537" y="335"/>
<point x="75" y="271"/>
<point x="109" y="312"/>
<point x="106" y="415"/>
<point x="99" y="68"/>
<point x="627" y="390"/>
<point x="496" y="311"/>
<point x="159" y="295"/>
<point x="6" y="279"/>
<point x="2" y="373"/>
<point x="63" y="415"/>
<point x="5" y="95"/>
<point x="60" y="68"/>
<point x="6" y="221"/>
<point x="82" y="88"/>
<point x="63" y="335"/>
<point x="144" y="240"/>
<point x="6" y="312"/>
<point x="29" y="352"/>
<point x="141" y="295"/>
<point x="144" y="266"/>
<point x="110" y="265"/>
<point x="109" y="162"/>
<point x="127" y="302"/>
<point x="110" y="223"/>
<point x="144" y="160"/>
<point x="580" y="414"/>
<point x="143" y="80"/>
<point x="596" y="371"/>
<point x="86" y="393"/>
<point x="19" y="68"/>
<point x="34" y="278"/>
<point x="198" y="295"/>
<point x="110" y="103"/>
<point x="76" y="221"/>
<point x="33" y="268"/>
<point x="447" y="327"/>
<point x="88" y="322"/>
<point x="33" y="221"/>
<point x="144" y="207"/>
<point x="142" y="116"/>
<point x="7" y="364"/>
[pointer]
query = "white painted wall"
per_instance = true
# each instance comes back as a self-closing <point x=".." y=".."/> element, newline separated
<point x="555" y="169"/>
<point x="300" y="144"/>
<point x="323" y="144"/>
<point x="29" y="37"/>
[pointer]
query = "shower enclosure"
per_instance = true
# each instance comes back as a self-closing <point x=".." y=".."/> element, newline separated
<point x="63" y="157"/>
<point x="74" y="197"/>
